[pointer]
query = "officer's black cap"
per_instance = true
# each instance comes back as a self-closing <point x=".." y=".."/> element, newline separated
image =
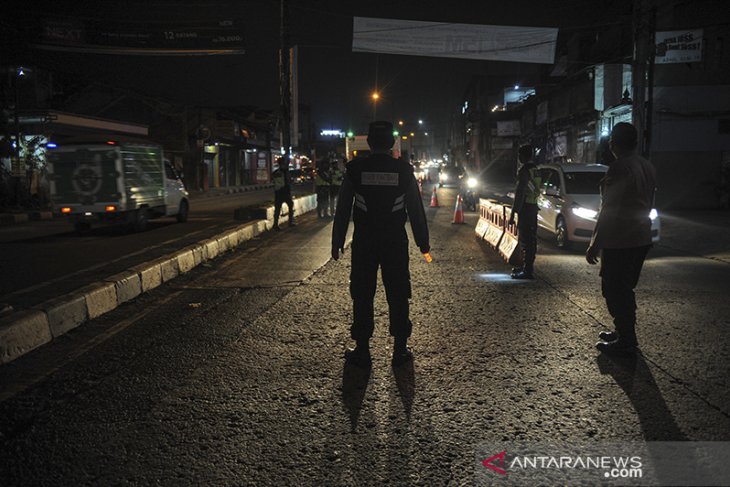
<point x="381" y="132"/>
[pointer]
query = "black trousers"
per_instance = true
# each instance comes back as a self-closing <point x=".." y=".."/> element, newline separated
<point x="323" y="199"/>
<point x="334" y="191"/>
<point x="372" y="250"/>
<point x="282" y="196"/>
<point x="620" y="270"/>
<point x="527" y="233"/>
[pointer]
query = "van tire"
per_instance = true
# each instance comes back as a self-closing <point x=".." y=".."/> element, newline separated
<point x="182" y="214"/>
<point x="141" y="220"/>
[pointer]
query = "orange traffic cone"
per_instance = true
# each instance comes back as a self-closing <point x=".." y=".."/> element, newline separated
<point x="458" y="211"/>
<point x="434" y="199"/>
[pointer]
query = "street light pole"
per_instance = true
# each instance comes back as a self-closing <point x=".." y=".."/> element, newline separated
<point x="285" y="88"/>
<point x="19" y="73"/>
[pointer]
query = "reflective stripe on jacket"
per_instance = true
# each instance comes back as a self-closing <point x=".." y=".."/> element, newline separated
<point x="320" y="181"/>
<point x="380" y="193"/>
<point x="534" y="183"/>
<point x="337" y="177"/>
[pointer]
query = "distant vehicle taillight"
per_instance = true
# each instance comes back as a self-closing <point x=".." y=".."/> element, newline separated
<point x="65" y="209"/>
<point x="111" y="208"/>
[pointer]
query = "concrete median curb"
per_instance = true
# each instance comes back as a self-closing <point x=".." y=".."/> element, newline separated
<point x="14" y="218"/>
<point x="169" y="268"/>
<point x="21" y="332"/>
<point x="64" y="313"/>
<point x="101" y="297"/>
<point x="128" y="285"/>
<point x="25" y="330"/>
<point x="150" y="275"/>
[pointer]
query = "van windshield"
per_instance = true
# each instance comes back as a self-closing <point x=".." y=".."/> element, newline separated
<point x="583" y="182"/>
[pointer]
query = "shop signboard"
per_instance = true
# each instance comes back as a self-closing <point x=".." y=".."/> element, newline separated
<point x="262" y="168"/>
<point x="508" y="128"/>
<point x="678" y="46"/>
<point x="111" y="36"/>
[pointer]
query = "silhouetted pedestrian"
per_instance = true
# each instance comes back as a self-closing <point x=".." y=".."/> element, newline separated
<point x="337" y="173"/>
<point x="282" y="194"/>
<point x="525" y="205"/>
<point x="381" y="193"/>
<point x="622" y="236"/>
<point x="322" y="182"/>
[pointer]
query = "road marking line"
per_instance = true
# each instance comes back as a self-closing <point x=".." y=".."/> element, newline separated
<point x="84" y="347"/>
<point x="94" y="267"/>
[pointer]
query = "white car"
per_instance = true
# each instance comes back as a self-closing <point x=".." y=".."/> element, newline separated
<point x="569" y="201"/>
<point x="451" y="176"/>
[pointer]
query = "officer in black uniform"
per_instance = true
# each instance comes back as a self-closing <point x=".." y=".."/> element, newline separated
<point x="381" y="193"/>
<point x="322" y="183"/>
<point x="282" y="194"/>
<point x="525" y="205"/>
<point x="336" y="176"/>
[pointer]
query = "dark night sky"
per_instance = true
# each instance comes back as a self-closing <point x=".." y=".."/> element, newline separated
<point x="333" y="80"/>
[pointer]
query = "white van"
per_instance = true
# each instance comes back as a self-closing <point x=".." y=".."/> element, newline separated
<point x="113" y="180"/>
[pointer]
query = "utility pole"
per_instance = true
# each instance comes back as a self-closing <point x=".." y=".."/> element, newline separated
<point x="642" y="71"/>
<point x="285" y="88"/>
<point x="650" y="81"/>
<point x="18" y="169"/>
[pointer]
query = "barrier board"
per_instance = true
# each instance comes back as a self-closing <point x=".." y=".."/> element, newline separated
<point x="508" y="246"/>
<point x="481" y="228"/>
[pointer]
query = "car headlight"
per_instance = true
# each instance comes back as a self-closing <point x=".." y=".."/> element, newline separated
<point x="471" y="183"/>
<point x="585" y="213"/>
<point x="653" y="214"/>
<point x="443" y="177"/>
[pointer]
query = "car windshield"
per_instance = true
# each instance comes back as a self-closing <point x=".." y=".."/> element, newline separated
<point x="583" y="182"/>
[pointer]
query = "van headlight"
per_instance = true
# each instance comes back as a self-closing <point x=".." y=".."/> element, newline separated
<point x="443" y="177"/>
<point x="653" y="214"/>
<point x="585" y="213"/>
<point x="471" y="182"/>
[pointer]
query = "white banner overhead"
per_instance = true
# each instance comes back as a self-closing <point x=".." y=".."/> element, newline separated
<point x="470" y="41"/>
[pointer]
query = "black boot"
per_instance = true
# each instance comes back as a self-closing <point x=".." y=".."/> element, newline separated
<point x="522" y="275"/>
<point x="360" y="355"/>
<point x="401" y="353"/>
<point x="618" y="347"/>
<point x="608" y="336"/>
<point x="624" y="338"/>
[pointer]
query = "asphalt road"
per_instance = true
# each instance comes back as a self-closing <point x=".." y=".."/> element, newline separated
<point x="233" y="374"/>
<point x="41" y="260"/>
